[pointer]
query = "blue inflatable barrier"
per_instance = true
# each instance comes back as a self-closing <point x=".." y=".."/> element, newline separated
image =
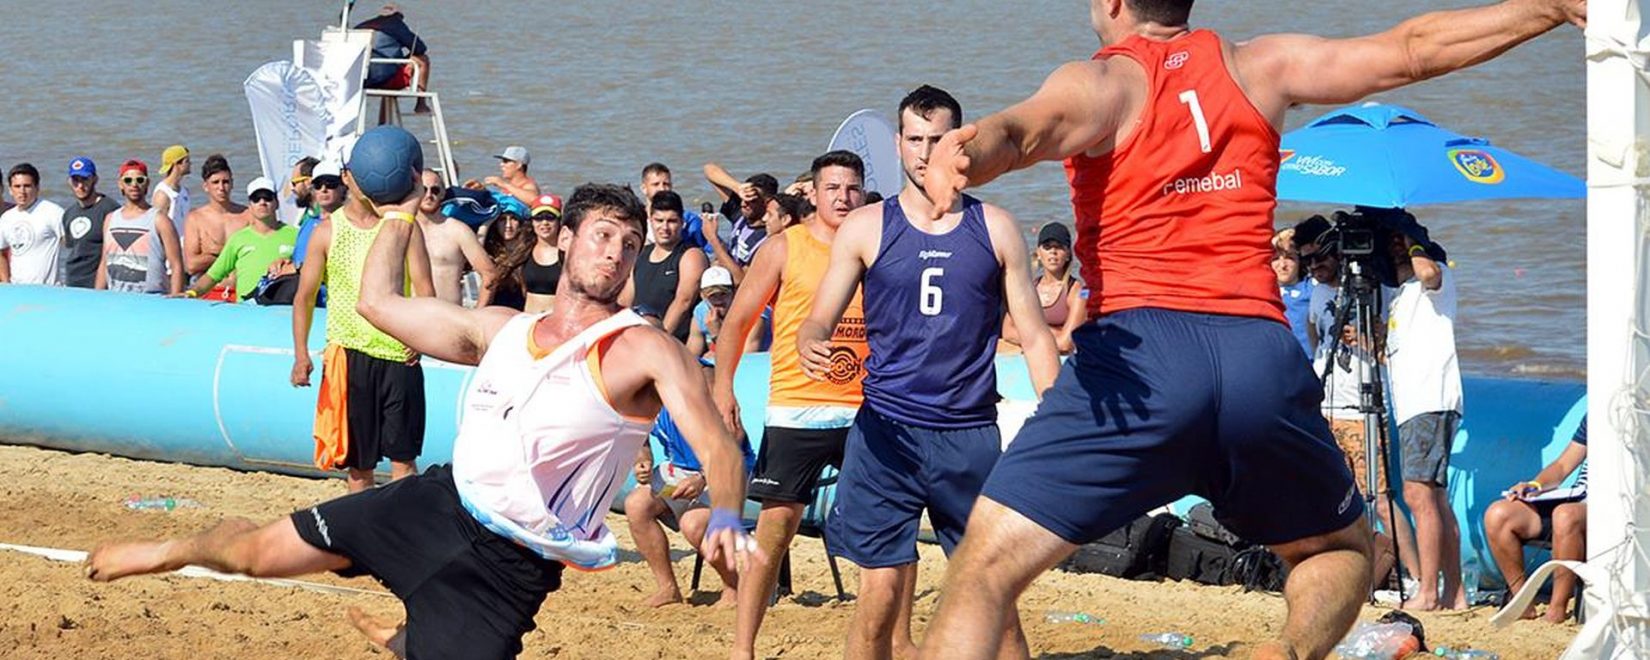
<point x="208" y="384"/>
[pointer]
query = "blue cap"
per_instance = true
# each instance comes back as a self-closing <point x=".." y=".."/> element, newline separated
<point x="82" y="166"/>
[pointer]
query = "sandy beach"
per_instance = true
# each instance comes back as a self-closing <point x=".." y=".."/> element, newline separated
<point x="73" y="501"/>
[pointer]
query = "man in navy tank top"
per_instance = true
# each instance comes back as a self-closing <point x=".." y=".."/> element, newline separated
<point x="926" y="436"/>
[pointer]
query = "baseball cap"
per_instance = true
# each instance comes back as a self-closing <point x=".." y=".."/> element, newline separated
<point x="171" y="156"/>
<point x="516" y="153"/>
<point x="1055" y="232"/>
<point x="82" y="166"/>
<point x="716" y="276"/>
<point x="134" y="164"/>
<point x="260" y="183"/>
<point x="328" y="167"/>
<point x="550" y="203"/>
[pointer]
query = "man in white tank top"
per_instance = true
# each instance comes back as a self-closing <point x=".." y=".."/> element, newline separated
<point x="171" y="198"/>
<point x="555" y="413"/>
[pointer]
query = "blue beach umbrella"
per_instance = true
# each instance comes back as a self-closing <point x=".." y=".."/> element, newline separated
<point x="1389" y="156"/>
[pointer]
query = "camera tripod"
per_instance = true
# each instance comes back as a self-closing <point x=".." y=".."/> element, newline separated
<point x="1359" y="303"/>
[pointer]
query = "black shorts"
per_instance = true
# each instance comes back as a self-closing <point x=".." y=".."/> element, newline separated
<point x="790" y="460"/>
<point x="469" y="593"/>
<point x="385" y="404"/>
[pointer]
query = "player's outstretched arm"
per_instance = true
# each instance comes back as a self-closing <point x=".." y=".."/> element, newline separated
<point x="761" y="282"/>
<point x="427" y="325"/>
<point x="1024" y="309"/>
<point x="1078" y="107"/>
<point x="678" y="379"/>
<point x="853" y="246"/>
<point x="1287" y="69"/>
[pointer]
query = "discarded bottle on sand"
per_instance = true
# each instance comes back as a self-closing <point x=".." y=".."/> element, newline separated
<point x="1465" y="654"/>
<point x="1171" y="640"/>
<point x="1378" y="641"/>
<point x="137" y="503"/>
<point x="1072" y="617"/>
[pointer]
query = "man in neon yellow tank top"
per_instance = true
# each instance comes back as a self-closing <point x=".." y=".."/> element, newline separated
<point x="371" y="404"/>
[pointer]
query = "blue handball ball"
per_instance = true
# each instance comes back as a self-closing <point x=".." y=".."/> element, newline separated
<point x="386" y="162"/>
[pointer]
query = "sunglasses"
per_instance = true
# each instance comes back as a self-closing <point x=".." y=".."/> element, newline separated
<point x="80" y="180"/>
<point x="262" y="197"/>
<point x="134" y="180"/>
<point x="327" y="184"/>
<point x="545" y="217"/>
<point x="299" y="180"/>
<point x="1315" y="257"/>
<point x="434" y="191"/>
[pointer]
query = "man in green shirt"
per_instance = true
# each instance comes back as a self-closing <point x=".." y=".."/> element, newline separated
<point x="263" y="246"/>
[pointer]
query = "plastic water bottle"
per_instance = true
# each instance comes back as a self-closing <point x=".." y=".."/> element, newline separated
<point x="1172" y="640"/>
<point x="1377" y="641"/>
<point x="1465" y="654"/>
<point x="137" y="503"/>
<point x="1471" y="573"/>
<point x="1072" y="617"/>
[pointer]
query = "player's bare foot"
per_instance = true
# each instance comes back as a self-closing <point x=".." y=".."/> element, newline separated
<point x="113" y="561"/>
<point x="377" y="632"/>
<point x="1554" y="615"/>
<point x="422" y="107"/>
<point x="1420" y="604"/>
<point x="730" y="599"/>
<point x="663" y="598"/>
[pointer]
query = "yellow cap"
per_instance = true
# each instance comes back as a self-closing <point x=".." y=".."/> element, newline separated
<point x="171" y="156"/>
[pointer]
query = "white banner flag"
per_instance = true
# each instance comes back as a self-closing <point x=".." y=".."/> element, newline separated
<point x="870" y="136"/>
<point x="339" y="63"/>
<point x="290" y="117"/>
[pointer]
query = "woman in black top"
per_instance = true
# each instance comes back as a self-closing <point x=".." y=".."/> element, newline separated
<point x="503" y="238"/>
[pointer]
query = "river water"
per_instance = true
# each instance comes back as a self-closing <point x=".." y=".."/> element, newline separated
<point x="595" y="89"/>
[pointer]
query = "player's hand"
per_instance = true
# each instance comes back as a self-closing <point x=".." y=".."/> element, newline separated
<point x="748" y="192"/>
<point x="301" y="368"/>
<point x="728" y="405"/>
<point x="1574" y="11"/>
<point x="816" y="357"/>
<point x="689" y="488"/>
<point x="707" y="226"/>
<point x="947" y="173"/>
<point x="644" y="473"/>
<point x="727" y="545"/>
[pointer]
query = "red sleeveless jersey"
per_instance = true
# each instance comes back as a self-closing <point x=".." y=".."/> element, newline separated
<point x="1179" y="215"/>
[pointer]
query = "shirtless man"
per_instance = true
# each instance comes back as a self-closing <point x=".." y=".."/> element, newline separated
<point x="209" y="226"/>
<point x="1189" y="380"/>
<point x="472" y="550"/>
<point x="451" y="245"/>
<point x="513" y="179"/>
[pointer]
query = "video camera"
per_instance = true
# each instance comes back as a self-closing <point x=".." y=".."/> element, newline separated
<point x="1361" y="237"/>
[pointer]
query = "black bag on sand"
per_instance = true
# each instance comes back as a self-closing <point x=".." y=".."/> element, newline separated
<point x="1205" y="551"/>
<point x="1136" y="551"/>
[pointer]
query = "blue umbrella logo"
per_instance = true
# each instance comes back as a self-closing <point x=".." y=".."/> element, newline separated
<point x="1388" y="156"/>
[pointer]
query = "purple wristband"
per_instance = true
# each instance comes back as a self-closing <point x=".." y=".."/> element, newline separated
<point x="721" y="519"/>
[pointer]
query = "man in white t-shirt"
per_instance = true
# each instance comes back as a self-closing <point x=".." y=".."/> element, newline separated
<point x="31" y="233"/>
<point x="1426" y="403"/>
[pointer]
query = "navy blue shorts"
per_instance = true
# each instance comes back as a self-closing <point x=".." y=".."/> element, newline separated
<point x="1158" y="404"/>
<point x="891" y="471"/>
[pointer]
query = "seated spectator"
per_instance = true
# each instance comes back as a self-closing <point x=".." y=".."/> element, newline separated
<point x="500" y="237"/>
<point x="513" y="179"/>
<point x="1536" y="510"/>
<point x="674" y="491"/>
<point x="1293" y="285"/>
<point x="392" y="39"/>
<point x="1060" y="293"/>
<point x="716" y="293"/>
<point x="263" y="247"/>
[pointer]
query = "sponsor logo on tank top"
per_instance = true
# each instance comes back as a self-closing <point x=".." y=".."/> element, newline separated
<point x="1212" y="182"/>
<point x="849" y="329"/>
<point x="1177" y="60"/>
<point x="933" y="254"/>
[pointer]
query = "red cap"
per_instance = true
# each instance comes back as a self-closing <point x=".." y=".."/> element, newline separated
<point x="134" y="164"/>
<point x="551" y="203"/>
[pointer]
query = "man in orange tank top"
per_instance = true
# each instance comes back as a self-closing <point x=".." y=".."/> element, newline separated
<point x="1189" y="380"/>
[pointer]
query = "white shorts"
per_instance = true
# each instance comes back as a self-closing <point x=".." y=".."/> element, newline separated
<point x="665" y="478"/>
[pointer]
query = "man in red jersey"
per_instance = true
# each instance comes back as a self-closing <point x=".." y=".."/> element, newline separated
<point x="1188" y="381"/>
